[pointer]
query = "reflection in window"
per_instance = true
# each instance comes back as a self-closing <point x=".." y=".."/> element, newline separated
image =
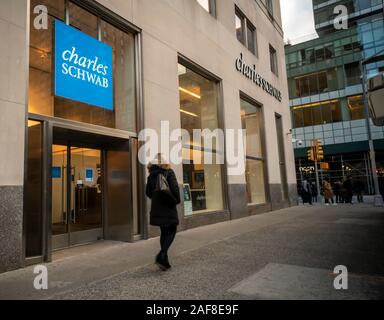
<point x="353" y="73"/>
<point x="83" y="20"/>
<point x="251" y="38"/>
<point x="356" y="107"/>
<point x="240" y="27"/>
<point x="41" y="99"/>
<point x="316" y="83"/>
<point x="40" y="59"/>
<point x="270" y="7"/>
<point x="198" y="110"/>
<point x="317" y="114"/>
<point x="245" y="31"/>
<point x="273" y="59"/>
<point x="251" y="123"/>
<point x="204" y="4"/>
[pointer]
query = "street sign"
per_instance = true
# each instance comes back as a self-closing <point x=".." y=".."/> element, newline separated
<point x="324" y="166"/>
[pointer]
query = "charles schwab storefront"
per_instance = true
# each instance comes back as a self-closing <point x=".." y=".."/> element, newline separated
<point x="84" y="91"/>
<point x="97" y="73"/>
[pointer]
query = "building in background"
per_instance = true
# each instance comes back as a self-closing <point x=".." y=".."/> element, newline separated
<point x="326" y="95"/>
<point x="74" y="97"/>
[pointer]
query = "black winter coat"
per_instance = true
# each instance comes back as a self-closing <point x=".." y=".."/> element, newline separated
<point x="162" y="213"/>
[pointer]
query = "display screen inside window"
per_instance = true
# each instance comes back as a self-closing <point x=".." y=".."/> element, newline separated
<point x="41" y="99"/>
<point x="198" y="110"/>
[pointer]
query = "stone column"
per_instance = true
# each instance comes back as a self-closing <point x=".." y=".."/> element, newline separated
<point x="13" y="81"/>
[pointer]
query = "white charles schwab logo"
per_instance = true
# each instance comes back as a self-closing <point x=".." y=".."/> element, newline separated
<point x="84" y="68"/>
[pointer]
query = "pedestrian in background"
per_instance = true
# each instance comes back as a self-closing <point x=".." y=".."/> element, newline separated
<point x="358" y="187"/>
<point x="348" y="187"/>
<point x="314" y="192"/>
<point x="306" y="191"/>
<point x="337" y="191"/>
<point x="328" y="192"/>
<point x="163" y="207"/>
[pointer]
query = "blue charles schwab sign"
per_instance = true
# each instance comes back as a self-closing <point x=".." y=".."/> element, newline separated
<point x="83" y="67"/>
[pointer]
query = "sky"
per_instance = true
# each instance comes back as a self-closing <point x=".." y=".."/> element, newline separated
<point x="298" y="21"/>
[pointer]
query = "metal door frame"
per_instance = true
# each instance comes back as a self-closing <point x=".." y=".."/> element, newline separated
<point x="74" y="238"/>
<point x="282" y="157"/>
<point x="49" y="123"/>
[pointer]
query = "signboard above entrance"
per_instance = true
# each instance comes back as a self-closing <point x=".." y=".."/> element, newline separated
<point x="83" y="67"/>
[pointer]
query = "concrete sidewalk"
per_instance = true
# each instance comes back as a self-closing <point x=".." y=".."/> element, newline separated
<point x="74" y="271"/>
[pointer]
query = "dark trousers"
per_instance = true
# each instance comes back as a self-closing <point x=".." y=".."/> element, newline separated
<point x="329" y="200"/>
<point x="307" y="197"/>
<point x="348" y="197"/>
<point x="166" y="238"/>
<point x="360" y="197"/>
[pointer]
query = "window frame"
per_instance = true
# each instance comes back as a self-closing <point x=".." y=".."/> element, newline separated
<point x="273" y="62"/>
<point x="264" y="158"/>
<point x="188" y="63"/>
<point x="269" y="5"/>
<point x="327" y="110"/>
<point x="116" y="21"/>
<point x="245" y="25"/>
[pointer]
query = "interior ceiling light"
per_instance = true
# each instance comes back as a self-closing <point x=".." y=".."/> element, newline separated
<point x="315" y="104"/>
<point x="190" y="93"/>
<point x="189" y="113"/>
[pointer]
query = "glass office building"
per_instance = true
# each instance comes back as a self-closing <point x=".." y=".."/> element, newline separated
<point x="82" y="79"/>
<point x="326" y="95"/>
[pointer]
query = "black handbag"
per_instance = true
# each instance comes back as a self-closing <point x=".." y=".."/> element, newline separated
<point x="162" y="186"/>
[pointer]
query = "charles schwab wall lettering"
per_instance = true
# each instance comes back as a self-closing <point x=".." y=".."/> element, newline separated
<point x="250" y="73"/>
<point x="83" y="67"/>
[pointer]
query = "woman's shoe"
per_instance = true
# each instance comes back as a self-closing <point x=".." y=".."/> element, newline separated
<point x="166" y="263"/>
<point x="161" y="262"/>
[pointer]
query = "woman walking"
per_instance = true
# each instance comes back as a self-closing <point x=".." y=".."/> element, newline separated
<point x="328" y="192"/>
<point x="163" y="208"/>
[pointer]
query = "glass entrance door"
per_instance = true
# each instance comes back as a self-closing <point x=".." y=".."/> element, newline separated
<point x="77" y="195"/>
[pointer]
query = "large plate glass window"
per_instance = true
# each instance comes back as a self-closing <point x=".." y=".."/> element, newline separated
<point x="199" y="110"/>
<point x="251" y="118"/>
<point x="41" y="73"/>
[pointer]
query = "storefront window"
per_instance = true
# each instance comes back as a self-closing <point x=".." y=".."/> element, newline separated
<point x="198" y="110"/>
<point x="251" y="123"/>
<point x="41" y="94"/>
